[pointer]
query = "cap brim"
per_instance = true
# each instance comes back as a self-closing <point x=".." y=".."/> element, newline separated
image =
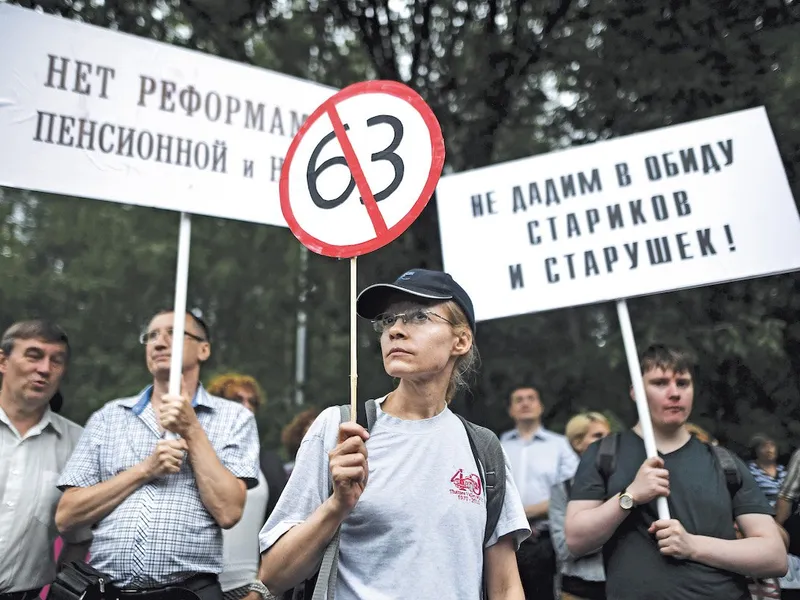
<point x="372" y="301"/>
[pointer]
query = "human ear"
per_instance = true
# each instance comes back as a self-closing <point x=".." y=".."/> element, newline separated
<point x="463" y="342"/>
<point x="205" y="352"/>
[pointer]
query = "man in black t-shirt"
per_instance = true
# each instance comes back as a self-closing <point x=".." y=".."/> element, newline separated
<point x="694" y="555"/>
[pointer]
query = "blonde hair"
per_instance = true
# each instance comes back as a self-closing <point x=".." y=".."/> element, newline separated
<point x="578" y="426"/>
<point x="466" y="364"/>
<point x="226" y="385"/>
<point x="700" y="433"/>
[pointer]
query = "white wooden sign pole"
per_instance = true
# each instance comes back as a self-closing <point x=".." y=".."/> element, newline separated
<point x="353" y="339"/>
<point x="638" y="389"/>
<point x="179" y="309"/>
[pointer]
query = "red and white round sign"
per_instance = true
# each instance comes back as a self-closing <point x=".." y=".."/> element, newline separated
<point x="361" y="169"/>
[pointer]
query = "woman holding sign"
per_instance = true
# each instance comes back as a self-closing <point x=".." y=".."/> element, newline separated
<point x="408" y="498"/>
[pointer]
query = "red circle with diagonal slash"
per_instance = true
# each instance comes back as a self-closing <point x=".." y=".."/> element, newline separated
<point x="383" y="234"/>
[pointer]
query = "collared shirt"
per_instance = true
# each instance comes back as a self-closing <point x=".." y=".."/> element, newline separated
<point x="538" y="464"/>
<point x="162" y="532"/>
<point x="29" y="469"/>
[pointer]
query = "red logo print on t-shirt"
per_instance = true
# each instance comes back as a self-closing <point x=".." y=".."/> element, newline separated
<point x="467" y="487"/>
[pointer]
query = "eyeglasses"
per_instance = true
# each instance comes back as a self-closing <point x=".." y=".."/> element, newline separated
<point x="149" y="337"/>
<point x="414" y="316"/>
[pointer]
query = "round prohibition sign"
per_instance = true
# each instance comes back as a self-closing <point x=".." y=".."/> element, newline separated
<point x="361" y="169"/>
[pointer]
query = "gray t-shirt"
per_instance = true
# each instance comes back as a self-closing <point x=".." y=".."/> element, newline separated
<point x="417" y="531"/>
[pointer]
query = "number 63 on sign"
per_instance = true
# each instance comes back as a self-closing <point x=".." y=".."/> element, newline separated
<point x="373" y="142"/>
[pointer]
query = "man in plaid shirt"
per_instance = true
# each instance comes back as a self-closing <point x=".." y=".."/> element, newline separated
<point x="159" y="505"/>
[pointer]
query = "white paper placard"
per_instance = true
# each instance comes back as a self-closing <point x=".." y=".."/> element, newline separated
<point x="90" y="112"/>
<point x="683" y="206"/>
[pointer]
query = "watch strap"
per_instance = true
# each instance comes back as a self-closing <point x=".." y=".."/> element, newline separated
<point x="259" y="587"/>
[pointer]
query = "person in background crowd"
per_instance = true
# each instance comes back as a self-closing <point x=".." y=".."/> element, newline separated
<point x="159" y="505"/>
<point x="539" y="459"/>
<point x="764" y="467"/>
<point x="580" y="578"/>
<point x="694" y="555"/>
<point x="239" y="577"/>
<point x="246" y="391"/>
<point x="293" y="434"/>
<point x="407" y="494"/>
<point x="770" y="477"/>
<point x="35" y="444"/>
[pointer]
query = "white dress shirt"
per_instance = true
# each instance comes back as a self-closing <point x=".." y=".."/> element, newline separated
<point x="538" y="463"/>
<point x="29" y="468"/>
<point x="240" y="543"/>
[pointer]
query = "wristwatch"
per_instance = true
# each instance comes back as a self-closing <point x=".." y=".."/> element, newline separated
<point x="260" y="588"/>
<point x="626" y="501"/>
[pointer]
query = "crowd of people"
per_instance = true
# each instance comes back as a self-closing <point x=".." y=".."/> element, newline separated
<point x="164" y="496"/>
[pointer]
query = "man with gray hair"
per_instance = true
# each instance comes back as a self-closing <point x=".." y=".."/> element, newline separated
<point x="35" y="444"/>
<point x="159" y="504"/>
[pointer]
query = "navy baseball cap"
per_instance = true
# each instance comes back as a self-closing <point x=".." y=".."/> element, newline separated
<point x="420" y="283"/>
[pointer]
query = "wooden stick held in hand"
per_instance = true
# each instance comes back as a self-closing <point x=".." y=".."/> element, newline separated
<point x="353" y="341"/>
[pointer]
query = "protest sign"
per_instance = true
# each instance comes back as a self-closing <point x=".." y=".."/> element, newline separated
<point x="94" y="113"/>
<point x="373" y="142"/>
<point x="388" y="147"/>
<point x="679" y="207"/>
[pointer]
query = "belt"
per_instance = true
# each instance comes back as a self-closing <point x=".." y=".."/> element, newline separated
<point x="179" y="590"/>
<point x="583" y="588"/>
<point x="23" y="595"/>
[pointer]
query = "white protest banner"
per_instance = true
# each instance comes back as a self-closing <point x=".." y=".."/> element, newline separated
<point x="94" y="113"/>
<point x="679" y="207"/>
<point x="358" y="173"/>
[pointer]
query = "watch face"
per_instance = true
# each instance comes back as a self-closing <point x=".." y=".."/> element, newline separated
<point x="626" y="502"/>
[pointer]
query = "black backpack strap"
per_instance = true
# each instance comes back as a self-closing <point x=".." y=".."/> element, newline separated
<point x="606" y="460"/>
<point x="365" y="416"/>
<point x="344" y="413"/>
<point x="370" y="415"/>
<point x="726" y="461"/>
<point x="489" y="457"/>
<point x="323" y="585"/>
